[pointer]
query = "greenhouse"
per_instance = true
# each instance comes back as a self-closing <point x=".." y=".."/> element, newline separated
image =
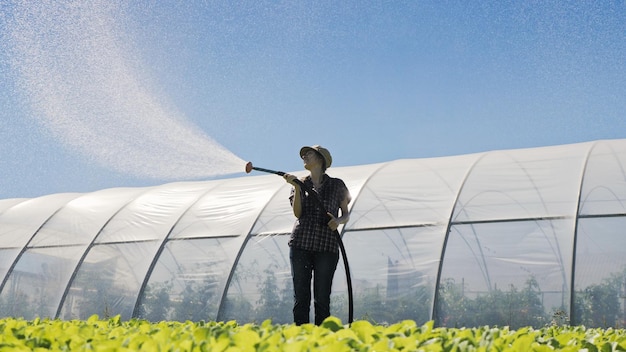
<point x="508" y="237"/>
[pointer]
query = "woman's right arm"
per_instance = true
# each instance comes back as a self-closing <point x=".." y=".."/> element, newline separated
<point x="296" y="203"/>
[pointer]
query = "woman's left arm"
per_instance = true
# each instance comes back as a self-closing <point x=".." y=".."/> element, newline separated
<point x="345" y="215"/>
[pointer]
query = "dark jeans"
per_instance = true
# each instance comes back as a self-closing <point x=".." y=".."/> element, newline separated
<point x="303" y="265"/>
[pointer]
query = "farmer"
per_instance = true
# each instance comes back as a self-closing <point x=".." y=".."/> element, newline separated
<point x="314" y="250"/>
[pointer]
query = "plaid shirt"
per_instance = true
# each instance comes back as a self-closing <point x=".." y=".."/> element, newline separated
<point x="311" y="231"/>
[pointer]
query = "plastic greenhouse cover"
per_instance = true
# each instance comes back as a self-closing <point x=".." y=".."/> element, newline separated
<point x="81" y="219"/>
<point x="492" y="186"/>
<point x="604" y="182"/>
<point x="8" y="203"/>
<point x="409" y="193"/>
<point x="229" y="209"/>
<point x="151" y="215"/>
<point x="526" y="183"/>
<point x="20" y="222"/>
<point x="486" y="220"/>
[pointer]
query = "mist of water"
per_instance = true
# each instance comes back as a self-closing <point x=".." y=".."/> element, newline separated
<point x="80" y="72"/>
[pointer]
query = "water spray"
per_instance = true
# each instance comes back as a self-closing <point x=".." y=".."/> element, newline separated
<point x="82" y="76"/>
<point x="320" y="204"/>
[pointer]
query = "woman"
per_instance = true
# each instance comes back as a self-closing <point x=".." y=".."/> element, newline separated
<point x="313" y="244"/>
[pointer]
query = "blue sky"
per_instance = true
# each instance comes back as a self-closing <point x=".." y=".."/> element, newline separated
<point x="373" y="81"/>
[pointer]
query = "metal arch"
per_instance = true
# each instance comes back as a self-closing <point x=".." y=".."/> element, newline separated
<point x="610" y="191"/>
<point x="621" y="167"/>
<point x="557" y="252"/>
<point x="88" y="249"/>
<point x="343" y="229"/>
<point x="23" y="250"/>
<point x="447" y="234"/>
<point x="220" y="309"/>
<point x="159" y="251"/>
<point x="356" y="198"/>
<point x="273" y="240"/>
<point x="285" y="261"/>
<point x="21" y="201"/>
<point x="342" y="248"/>
<point x="404" y="226"/>
<point x="484" y="269"/>
<point x="575" y="239"/>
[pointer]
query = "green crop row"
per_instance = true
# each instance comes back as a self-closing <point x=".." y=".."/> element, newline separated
<point x="114" y="334"/>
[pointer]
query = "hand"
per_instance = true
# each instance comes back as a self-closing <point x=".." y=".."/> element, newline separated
<point x="290" y="179"/>
<point x="332" y="223"/>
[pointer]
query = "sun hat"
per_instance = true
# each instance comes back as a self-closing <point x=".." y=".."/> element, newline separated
<point x="321" y="150"/>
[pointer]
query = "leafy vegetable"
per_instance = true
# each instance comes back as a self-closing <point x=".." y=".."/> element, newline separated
<point x="112" y="334"/>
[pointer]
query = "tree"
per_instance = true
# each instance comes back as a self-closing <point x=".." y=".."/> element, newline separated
<point x="198" y="301"/>
<point x="275" y="303"/>
<point x="598" y="304"/>
<point x="513" y="308"/>
<point x="155" y="304"/>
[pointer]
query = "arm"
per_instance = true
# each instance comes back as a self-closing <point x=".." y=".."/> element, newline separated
<point x="296" y="203"/>
<point x="345" y="215"/>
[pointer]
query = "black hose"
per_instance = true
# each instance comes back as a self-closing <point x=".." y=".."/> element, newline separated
<point x="342" y="248"/>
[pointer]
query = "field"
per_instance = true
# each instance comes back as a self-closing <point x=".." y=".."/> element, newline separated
<point x="114" y="334"/>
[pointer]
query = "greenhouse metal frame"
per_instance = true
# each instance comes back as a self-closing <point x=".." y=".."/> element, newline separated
<point x="523" y="237"/>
